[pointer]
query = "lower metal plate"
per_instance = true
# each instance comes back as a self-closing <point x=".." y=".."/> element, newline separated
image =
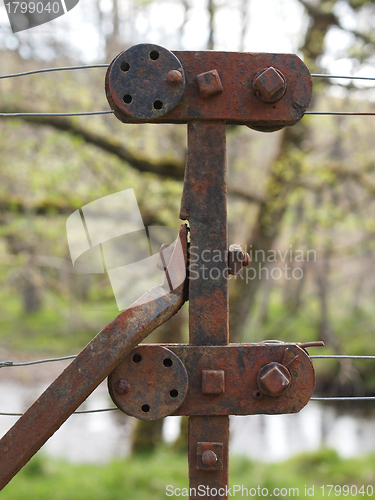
<point x="150" y="383"/>
<point x="237" y="379"/>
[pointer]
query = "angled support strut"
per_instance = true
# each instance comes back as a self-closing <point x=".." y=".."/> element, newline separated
<point x="94" y="363"/>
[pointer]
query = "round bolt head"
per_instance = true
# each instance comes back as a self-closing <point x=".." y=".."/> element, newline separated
<point x="174" y="77"/>
<point x="274" y="379"/>
<point x="122" y="387"/>
<point x="209" y="458"/>
<point x="269" y="85"/>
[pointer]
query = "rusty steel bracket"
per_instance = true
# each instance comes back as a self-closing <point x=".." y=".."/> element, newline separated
<point x="155" y="381"/>
<point x="209" y="379"/>
<point x="264" y="91"/>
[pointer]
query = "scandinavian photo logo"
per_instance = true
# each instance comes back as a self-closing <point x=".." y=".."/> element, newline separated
<point x="108" y="235"/>
<point x="27" y="14"/>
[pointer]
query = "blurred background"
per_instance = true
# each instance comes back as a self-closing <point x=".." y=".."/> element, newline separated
<point x="303" y="197"/>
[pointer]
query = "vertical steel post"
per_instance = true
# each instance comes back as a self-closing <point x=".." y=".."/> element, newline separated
<point x="204" y="205"/>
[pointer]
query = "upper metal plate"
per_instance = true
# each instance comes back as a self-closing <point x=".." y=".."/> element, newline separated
<point x="146" y="81"/>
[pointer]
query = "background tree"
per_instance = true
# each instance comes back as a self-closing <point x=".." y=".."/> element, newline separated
<point x="310" y="186"/>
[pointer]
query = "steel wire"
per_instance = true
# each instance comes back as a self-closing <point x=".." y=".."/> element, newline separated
<point x="340" y="356"/>
<point x="341" y="113"/>
<point x="344" y="398"/>
<point x="50" y="70"/>
<point x="78" y="412"/>
<point x="7" y="364"/>
<point x="79" y="113"/>
<point x="322" y="75"/>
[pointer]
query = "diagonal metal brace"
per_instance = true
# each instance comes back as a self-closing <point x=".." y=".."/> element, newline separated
<point x="94" y="363"/>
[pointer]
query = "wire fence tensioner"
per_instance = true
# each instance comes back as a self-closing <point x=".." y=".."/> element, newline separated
<point x="209" y="379"/>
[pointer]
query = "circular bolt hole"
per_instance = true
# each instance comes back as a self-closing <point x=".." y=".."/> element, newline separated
<point x="137" y="358"/>
<point x="173" y="393"/>
<point x="257" y="394"/>
<point x="145" y="408"/>
<point x="167" y="362"/>
<point x="154" y="55"/>
<point x="124" y="66"/>
<point x="158" y="104"/>
<point x="127" y="99"/>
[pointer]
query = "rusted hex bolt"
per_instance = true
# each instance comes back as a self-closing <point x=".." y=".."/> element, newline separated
<point x="237" y="259"/>
<point x="122" y="387"/>
<point x="174" y="77"/>
<point x="269" y="85"/>
<point x="274" y="379"/>
<point x="209" y="458"/>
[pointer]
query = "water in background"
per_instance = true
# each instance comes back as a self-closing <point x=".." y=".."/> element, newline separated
<point x="100" y="437"/>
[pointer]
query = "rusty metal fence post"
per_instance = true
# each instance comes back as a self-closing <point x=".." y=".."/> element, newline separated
<point x="204" y="205"/>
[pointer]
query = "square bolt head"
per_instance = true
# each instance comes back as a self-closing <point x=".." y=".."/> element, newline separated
<point x="213" y="381"/>
<point x="209" y="83"/>
<point x="209" y="456"/>
<point x="269" y="85"/>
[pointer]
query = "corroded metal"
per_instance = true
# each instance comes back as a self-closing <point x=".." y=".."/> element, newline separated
<point x="269" y="85"/>
<point x="157" y="380"/>
<point x="204" y="205"/>
<point x="90" y="368"/>
<point x="146" y="81"/>
<point x="223" y="379"/>
<point x="237" y="103"/>
<point x="237" y="259"/>
<point x="207" y="90"/>
<point x="274" y="379"/>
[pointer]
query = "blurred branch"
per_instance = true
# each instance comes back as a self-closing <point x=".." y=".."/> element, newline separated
<point x="317" y="13"/>
<point x="168" y="169"/>
<point x="58" y="206"/>
<point x="165" y="169"/>
<point x="211" y="8"/>
<point x="253" y="198"/>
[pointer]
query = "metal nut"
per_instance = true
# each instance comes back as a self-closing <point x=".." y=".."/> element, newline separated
<point x="209" y="84"/>
<point x="213" y="381"/>
<point x="269" y="85"/>
<point x="274" y="379"/>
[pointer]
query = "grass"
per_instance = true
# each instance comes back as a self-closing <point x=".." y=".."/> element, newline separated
<point x="142" y="477"/>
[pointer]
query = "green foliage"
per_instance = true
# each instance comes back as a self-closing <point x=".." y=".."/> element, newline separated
<point x="144" y="476"/>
